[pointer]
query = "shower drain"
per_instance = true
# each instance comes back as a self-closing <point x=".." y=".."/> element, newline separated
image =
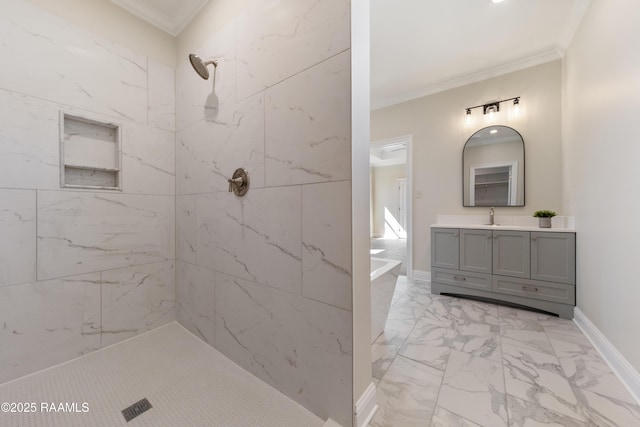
<point x="136" y="409"/>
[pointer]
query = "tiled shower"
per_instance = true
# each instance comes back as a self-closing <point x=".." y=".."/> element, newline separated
<point x="265" y="279"/>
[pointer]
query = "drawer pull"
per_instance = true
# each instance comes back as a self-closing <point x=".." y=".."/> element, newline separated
<point x="459" y="278"/>
<point x="534" y="238"/>
<point x="529" y="289"/>
<point x="455" y="234"/>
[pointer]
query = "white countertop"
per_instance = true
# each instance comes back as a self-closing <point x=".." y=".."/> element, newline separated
<point x="504" y="227"/>
<point x="559" y="224"/>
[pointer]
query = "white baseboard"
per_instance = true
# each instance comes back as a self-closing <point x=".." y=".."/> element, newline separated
<point x="627" y="374"/>
<point x="366" y="407"/>
<point x="421" y="276"/>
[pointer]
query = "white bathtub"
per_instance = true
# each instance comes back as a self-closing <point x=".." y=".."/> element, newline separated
<point x="384" y="275"/>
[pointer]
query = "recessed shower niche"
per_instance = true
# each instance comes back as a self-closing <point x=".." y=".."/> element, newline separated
<point x="89" y="153"/>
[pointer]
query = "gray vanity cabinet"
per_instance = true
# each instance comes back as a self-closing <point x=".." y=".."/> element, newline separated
<point x="447" y="255"/>
<point x="528" y="268"/>
<point x="553" y="257"/>
<point x="475" y="250"/>
<point x="511" y="253"/>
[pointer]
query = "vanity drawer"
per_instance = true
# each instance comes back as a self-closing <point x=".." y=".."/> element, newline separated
<point x="546" y="291"/>
<point x="464" y="279"/>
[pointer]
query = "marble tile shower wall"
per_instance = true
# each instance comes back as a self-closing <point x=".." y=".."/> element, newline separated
<point x="83" y="269"/>
<point x="266" y="279"/>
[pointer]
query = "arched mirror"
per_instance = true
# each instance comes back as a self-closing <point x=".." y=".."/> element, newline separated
<point x="493" y="168"/>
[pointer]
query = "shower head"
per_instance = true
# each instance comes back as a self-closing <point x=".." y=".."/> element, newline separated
<point x="200" y="66"/>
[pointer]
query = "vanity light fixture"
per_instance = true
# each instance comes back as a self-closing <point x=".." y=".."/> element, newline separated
<point x="493" y="107"/>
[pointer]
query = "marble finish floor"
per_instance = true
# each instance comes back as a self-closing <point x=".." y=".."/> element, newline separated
<point x="446" y="361"/>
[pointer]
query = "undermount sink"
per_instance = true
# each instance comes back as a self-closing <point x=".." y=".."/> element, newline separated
<point x="507" y="226"/>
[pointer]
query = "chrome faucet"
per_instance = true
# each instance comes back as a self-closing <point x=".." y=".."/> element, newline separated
<point x="491" y="217"/>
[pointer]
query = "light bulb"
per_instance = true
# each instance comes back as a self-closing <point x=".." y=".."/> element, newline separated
<point x="516" y="107"/>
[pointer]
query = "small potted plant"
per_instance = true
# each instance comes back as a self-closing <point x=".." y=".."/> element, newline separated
<point x="544" y="218"/>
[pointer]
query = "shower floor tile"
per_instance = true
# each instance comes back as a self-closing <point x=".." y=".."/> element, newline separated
<point x="187" y="382"/>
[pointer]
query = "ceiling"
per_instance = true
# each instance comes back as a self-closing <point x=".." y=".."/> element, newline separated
<point x="420" y="47"/>
<point x="388" y="155"/>
<point x="171" y="16"/>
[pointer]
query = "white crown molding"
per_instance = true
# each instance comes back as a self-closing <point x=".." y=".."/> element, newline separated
<point x="166" y="22"/>
<point x="538" y="58"/>
<point x="575" y="18"/>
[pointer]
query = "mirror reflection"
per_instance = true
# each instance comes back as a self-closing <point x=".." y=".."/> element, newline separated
<point x="493" y="168"/>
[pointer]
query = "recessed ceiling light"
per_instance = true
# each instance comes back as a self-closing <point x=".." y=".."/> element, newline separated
<point x="493" y="131"/>
<point x="497" y="1"/>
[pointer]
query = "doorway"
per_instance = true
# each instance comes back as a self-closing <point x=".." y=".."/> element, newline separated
<point x="390" y="208"/>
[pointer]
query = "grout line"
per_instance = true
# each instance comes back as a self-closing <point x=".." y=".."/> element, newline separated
<point x="217" y="272"/>
<point x="264" y="135"/>
<point x="89" y="191"/>
<point x="504" y="369"/>
<point x="175" y="191"/>
<point x="101" y="311"/>
<point x="37" y="215"/>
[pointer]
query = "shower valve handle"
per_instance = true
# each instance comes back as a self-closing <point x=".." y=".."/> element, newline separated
<point x="239" y="182"/>
<point x="234" y="181"/>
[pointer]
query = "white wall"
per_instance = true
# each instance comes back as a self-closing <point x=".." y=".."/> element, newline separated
<point x="437" y="123"/>
<point x="80" y="269"/>
<point x="600" y="161"/>
<point x="384" y="183"/>
<point x="360" y="207"/>
<point x="266" y="279"/>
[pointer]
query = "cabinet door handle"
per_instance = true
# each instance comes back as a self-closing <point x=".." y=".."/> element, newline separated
<point x="489" y="236"/>
<point x="534" y="238"/>
<point x="529" y="289"/>
<point x="496" y="237"/>
<point x="455" y="234"/>
<point x="460" y="279"/>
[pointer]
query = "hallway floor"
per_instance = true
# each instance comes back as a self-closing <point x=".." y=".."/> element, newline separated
<point x="446" y="361"/>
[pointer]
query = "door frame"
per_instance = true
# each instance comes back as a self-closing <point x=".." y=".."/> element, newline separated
<point x="513" y="180"/>
<point x="402" y="207"/>
<point x="408" y="140"/>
